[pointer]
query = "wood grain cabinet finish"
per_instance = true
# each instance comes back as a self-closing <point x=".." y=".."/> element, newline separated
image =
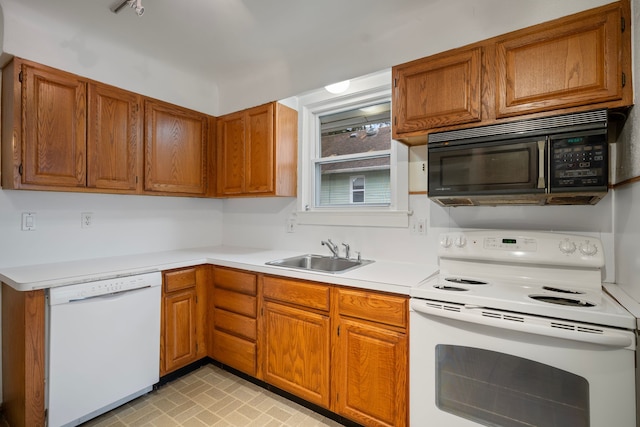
<point x="296" y="338"/>
<point x="575" y="61"/>
<point x="441" y="90"/>
<point x="257" y="152"/>
<point x="62" y="132"/>
<point x="114" y="145"/>
<point x="233" y="339"/>
<point x="44" y="127"/>
<point x="370" y="359"/>
<point x="175" y="149"/>
<point x="183" y="318"/>
<point x="23" y="357"/>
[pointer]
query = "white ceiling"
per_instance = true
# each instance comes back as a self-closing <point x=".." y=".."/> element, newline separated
<point x="271" y="49"/>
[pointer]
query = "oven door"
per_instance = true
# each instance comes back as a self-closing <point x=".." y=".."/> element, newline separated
<point x="506" y="167"/>
<point x="467" y="374"/>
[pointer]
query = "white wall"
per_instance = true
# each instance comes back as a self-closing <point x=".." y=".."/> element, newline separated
<point x="627" y="197"/>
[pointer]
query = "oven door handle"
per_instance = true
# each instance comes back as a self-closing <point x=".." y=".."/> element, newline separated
<point x="541" y="159"/>
<point x="567" y="330"/>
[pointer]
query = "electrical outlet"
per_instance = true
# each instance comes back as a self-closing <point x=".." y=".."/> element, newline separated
<point x="421" y="226"/>
<point x="86" y="220"/>
<point x="28" y="221"/>
<point x="291" y="225"/>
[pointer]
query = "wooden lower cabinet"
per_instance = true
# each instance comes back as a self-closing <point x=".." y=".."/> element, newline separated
<point x="233" y="339"/>
<point x="296" y="338"/>
<point x="370" y="359"/>
<point x="183" y="318"/>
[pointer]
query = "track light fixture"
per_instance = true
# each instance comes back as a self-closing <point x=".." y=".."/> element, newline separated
<point x="134" y="4"/>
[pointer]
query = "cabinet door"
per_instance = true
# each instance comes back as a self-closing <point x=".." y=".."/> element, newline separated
<point x="370" y="374"/>
<point x="259" y="150"/>
<point x="230" y="160"/>
<point x="114" y="148"/>
<point x="175" y="149"/>
<point x="179" y="329"/>
<point x="437" y="91"/>
<point x="54" y="139"/>
<point x="296" y="351"/>
<point x="575" y="62"/>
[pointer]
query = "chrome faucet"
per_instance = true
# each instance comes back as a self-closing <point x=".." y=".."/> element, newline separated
<point x="332" y="247"/>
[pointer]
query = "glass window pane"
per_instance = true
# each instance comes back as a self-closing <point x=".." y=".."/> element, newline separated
<point x="335" y="182"/>
<point x="494" y="388"/>
<point x="356" y="131"/>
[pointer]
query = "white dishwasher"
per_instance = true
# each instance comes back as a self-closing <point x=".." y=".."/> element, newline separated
<point x="104" y="345"/>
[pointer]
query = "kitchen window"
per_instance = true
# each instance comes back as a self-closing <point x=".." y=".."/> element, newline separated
<point x="352" y="171"/>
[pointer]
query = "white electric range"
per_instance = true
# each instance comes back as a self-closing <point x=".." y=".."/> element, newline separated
<point x="515" y="329"/>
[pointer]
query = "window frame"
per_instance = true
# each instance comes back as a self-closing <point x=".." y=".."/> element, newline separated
<point x="363" y="190"/>
<point x="368" y="90"/>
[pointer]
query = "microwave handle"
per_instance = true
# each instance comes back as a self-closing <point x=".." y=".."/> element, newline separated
<point x="541" y="158"/>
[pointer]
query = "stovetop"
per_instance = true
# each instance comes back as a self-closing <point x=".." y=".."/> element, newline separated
<point x="544" y="274"/>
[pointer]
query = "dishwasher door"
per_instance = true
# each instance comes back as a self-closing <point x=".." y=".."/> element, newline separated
<point x="103" y="351"/>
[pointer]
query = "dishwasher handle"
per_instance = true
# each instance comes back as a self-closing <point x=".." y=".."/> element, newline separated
<point x="107" y="295"/>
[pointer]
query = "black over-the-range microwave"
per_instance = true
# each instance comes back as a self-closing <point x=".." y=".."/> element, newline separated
<point x="555" y="160"/>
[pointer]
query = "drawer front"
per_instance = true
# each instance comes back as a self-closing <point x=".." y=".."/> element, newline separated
<point x="235" y="324"/>
<point x="179" y="279"/>
<point x="235" y="352"/>
<point x="296" y="292"/>
<point x="235" y="302"/>
<point x="235" y="280"/>
<point x="388" y="309"/>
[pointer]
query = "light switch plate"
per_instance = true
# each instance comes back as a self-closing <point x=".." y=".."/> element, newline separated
<point x="28" y="221"/>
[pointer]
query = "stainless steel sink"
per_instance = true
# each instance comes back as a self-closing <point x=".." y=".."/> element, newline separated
<point x="325" y="264"/>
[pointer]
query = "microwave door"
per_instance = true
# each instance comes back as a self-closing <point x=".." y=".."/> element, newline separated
<point x="505" y="167"/>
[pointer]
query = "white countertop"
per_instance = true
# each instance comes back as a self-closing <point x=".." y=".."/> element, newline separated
<point x="385" y="276"/>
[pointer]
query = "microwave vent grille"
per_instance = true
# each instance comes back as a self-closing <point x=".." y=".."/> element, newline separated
<point x="531" y="127"/>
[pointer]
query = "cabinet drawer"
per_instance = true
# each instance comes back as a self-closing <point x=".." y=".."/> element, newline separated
<point x="235" y="324"/>
<point x="296" y="292"/>
<point x="235" y="302"/>
<point x="388" y="309"/>
<point x="235" y="280"/>
<point x="179" y="279"/>
<point x="235" y="352"/>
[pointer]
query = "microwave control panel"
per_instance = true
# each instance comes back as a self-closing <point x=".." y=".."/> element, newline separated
<point x="579" y="161"/>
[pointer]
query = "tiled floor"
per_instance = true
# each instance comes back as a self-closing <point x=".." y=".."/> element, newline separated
<point x="211" y="396"/>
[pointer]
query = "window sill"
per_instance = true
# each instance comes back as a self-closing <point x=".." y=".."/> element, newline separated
<point x="371" y="218"/>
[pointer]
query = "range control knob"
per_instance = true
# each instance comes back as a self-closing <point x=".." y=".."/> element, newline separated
<point x="567" y="247"/>
<point x="588" y="249"/>
<point x="460" y="241"/>
<point x="445" y="241"/>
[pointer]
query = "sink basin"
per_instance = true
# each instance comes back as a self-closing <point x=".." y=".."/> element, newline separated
<point x="321" y="263"/>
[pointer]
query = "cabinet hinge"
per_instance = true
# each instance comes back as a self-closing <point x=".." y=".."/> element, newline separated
<point x="624" y="79"/>
<point x="20" y="169"/>
<point x="623" y="24"/>
<point x="20" y="76"/>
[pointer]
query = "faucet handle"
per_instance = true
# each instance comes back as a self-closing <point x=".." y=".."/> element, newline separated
<point x="346" y="250"/>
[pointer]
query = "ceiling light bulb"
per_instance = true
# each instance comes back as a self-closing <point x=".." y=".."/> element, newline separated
<point x="337" y="88"/>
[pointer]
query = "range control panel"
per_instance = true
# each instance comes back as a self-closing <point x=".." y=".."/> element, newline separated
<point x="531" y="247"/>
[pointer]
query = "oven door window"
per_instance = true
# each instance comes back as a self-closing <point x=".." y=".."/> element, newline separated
<point x="498" y="389"/>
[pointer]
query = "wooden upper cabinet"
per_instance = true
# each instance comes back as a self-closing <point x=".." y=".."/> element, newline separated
<point x="44" y="127"/>
<point x="175" y="149"/>
<point x="575" y="61"/>
<point x="230" y="160"/>
<point x="114" y="147"/>
<point x="257" y="152"/>
<point x="441" y="90"/>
